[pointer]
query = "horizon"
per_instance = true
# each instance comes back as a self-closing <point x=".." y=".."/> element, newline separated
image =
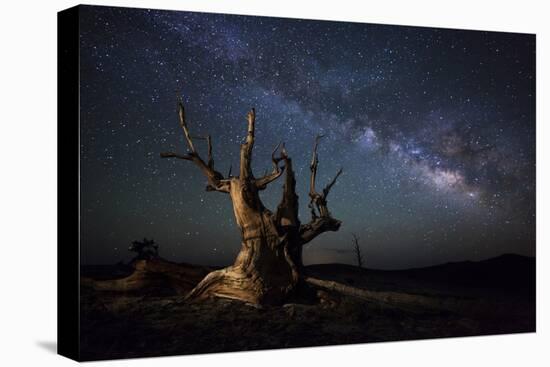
<point x="215" y="266"/>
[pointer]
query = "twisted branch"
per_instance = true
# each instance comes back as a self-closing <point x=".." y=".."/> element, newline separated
<point x="261" y="183"/>
<point x="216" y="181"/>
<point x="321" y="220"/>
<point x="246" y="148"/>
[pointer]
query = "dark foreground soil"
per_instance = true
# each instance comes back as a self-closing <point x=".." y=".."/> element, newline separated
<point x="142" y="313"/>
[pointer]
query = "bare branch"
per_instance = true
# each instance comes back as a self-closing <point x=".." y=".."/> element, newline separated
<point x="246" y="148"/>
<point x="183" y="124"/>
<point x="357" y="250"/>
<point x="313" y="167"/>
<point x="261" y="183"/>
<point x="317" y="226"/>
<point x="187" y="157"/>
<point x="251" y="117"/>
<point x="287" y="210"/>
<point x="318" y="202"/>
<point x="210" y="159"/>
<point x="327" y="188"/>
<point x="321" y="220"/>
<point x="208" y="139"/>
<point x="216" y="181"/>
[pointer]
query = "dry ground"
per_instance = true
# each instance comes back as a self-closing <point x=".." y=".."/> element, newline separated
<point x="144" y="315"/>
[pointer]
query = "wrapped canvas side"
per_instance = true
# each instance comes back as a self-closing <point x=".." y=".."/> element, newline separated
<point x="68" y="261"/>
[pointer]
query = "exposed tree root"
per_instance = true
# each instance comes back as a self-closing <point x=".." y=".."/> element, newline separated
<point x="152" y="274"/>
<point x="233" y="283"/>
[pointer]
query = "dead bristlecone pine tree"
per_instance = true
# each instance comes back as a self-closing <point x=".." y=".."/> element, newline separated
<point x="357" y="250"/>
<point x="268" y="266"/>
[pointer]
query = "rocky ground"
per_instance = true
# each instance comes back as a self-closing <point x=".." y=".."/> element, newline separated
<point x="129" y="313"/>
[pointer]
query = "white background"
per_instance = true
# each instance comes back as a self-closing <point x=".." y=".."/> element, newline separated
<point x="28" y="183"/>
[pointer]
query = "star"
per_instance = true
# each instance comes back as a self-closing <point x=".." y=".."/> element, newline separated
<point x="434" y="128"/>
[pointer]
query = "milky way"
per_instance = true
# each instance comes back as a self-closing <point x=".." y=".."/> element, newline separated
<point x="434" y="128"/>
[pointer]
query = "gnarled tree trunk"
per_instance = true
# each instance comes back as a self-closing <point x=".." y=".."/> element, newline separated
<point x="267" y="268"/>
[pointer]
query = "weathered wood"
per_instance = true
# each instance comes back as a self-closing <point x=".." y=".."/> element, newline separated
<point x="261" y="183"/>
<point x="321" y="219"/>
<point x="405" y="301"/>
<point x="216" y="181"/>
<point x="246" y="148"/>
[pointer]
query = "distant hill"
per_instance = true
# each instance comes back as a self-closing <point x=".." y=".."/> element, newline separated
<point x="505" y="271"/>
<point x="508" y="271"/>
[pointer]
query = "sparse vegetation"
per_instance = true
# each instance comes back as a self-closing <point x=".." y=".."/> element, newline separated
<point x="146" y="249"/>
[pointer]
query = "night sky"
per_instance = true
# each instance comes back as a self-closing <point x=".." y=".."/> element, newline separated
<point x="434" y="128"/>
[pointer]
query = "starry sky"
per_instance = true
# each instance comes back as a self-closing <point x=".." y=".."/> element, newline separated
<point x="434" y="128"/>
